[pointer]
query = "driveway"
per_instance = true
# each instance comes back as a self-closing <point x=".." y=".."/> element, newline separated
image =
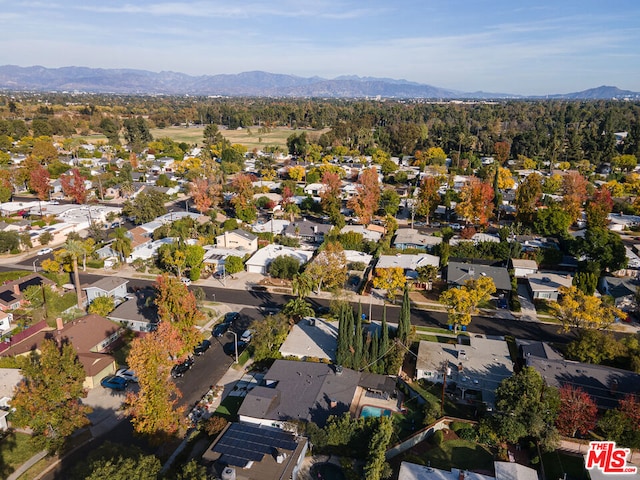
<point x="528" y="312"/>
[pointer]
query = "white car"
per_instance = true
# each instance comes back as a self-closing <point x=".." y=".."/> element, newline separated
<point x="186" y="281"/>
<point x="44" y="251"/>
<point x="127" y="375"/>
<point x="246" y="336"/>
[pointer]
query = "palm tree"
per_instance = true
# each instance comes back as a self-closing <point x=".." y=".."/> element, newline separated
<point x="302" y="284"/>
<point x="74" y="249"/>
<point x="121" y="243"/>
<point x="296" y="309"/>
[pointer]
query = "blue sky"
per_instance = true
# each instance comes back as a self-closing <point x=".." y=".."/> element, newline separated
<point x="514" y="46"/>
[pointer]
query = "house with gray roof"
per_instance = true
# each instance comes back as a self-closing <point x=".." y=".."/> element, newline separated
<point x="623" y="290"/>
<point x="410" y="238"/>
<point x="293" y="390"/>
<point x="457" y="273"/>
<point x="307" y="230"/>
<point x="546" y="285"/>
<point x="138" y="313"/>
<point x="409" y="263"/>
<point x="113" y="287"/>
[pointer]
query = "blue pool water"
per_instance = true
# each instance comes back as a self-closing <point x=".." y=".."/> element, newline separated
<point x="369" y="411"/>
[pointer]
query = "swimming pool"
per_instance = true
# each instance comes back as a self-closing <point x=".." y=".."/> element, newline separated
<point x="371" y="411"/>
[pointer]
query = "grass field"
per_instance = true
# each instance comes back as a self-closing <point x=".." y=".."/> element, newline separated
<point x="248" y="137"/>
<point x="460" y="454"/>
<point x="15" y="449"/>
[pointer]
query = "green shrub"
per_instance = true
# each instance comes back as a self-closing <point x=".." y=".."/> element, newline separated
<point x="457" y="426"/>
<point x="514" y="302"/>
<point x="467" y="434"/>
<point x="438" y="437"/>
<point x="194" y="274"/>
<point x="95" y="263"/>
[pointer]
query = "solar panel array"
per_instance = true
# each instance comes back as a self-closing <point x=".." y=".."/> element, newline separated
<point x="243" y="443"/>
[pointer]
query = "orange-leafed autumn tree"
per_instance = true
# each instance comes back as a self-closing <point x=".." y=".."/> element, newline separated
<point x="73" y="186"/>
<point x="365" y="202"/>
<point x="330" y="195"/>
<point x="599" y="207"/>
<point x="574" y="194"/>
<point x="153" y="408"/>
<point x="177" y="305"/>
<point x="475" y="202"/>
<point x="428" y="196"/>
<point x="501" y="150"/>
<point x="39" y="183"/>
<point x="577" y="412"/>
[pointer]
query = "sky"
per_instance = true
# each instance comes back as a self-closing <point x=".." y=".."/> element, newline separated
<point x="500" y="46"/>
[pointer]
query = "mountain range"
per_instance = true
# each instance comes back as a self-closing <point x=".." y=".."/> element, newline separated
<point x="254" y="84"/>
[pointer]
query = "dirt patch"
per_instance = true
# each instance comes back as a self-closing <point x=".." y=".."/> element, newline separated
<point x="275" y="282"/>
<point x="427" y="445"/>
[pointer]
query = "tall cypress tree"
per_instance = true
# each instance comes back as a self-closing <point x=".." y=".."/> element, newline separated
<point x="384" y="340"/>
<point x="358" y="344"/>
<point x="343" y="341"/>
<point x="348" y="361"/>
<point x="404" y="323"/>
<point x="375" y="353"/>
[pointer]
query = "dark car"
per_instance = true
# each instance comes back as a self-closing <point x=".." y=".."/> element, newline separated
<point x="203" y="347"/>
<point x="220" y="329"/>
<point x="322" y="310"/>
<point x="230" y="348"/>
<point x="230" y="317"/>
<point x="180" y="369"/>
<point x="114" y="382"/>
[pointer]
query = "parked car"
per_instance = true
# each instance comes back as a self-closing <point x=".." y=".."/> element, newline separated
<point x="180" y="369"/>
<point x="44" y="251"/>
<point x="114" y="382"/>
<point x="220" y="329"/>
<point x="127" y="374"/>
<point x="456" y="226"/>
<point x="186" y="281"/>
<point x="203" y="347"/>
<point x="246" y="336"/>
<point x="230" y="348"/>
<point x="231" y="317"/>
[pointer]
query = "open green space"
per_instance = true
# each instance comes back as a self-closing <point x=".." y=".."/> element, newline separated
<point x="12" y="275"/>
<point x="15" y="449"/>
<point x="556" y="464"/>
<point x="229" y="406"/>
<point x="460" y="454"/>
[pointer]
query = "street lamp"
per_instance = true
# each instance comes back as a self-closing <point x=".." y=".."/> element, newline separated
<point x="35" y="269"/>
<point x="235" y="339"/>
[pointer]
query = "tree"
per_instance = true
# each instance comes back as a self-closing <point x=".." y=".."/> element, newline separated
<point x="146" y="206"/>
<point x="604" y="248"/>
<point x="574" y="194"/>
<point x="504" y="178"/>
<point x="577" y="413"/>
<point x="121" y="243"/>
<point x="625" y="163"/>
<point x="525" y="400"/>
<point x="205" y="193"/>
<point x="302" y="284"/>
<point x="268" y="334"/>
<point x="297" y="308"/>
<point x="528" y="197"/>
<point x="428" y="197"/>
<point x="284" y="266"/>
<point x="376" y="467"/>
<point x="598" y="208"/>
<point x="462" y="302"/>
<point x="404" y="322"/>
<point x="243" y="200"/>
<point x="48" y="400"/>
<point x="73" y="186"/>
<point x="501" y="150"/>
<point x="577" y="310"/>
<point x="330" y="194"/>
<point x="71" y="251"/>
<point x="45" y="238"/>
<point x="389" y="201"/>
<point x="136" y="133"/>
<point x="475" y="202"/>
<point x="117" y="462"/>
<point x="367" y="197"/>
<point x="39" y="183"/>
<point x="595" y="346"/>
<point x="552" y="221"/>
<point x="297" y="173"/>
<point x="153" y="408"/>
<point x="329" y="268"/>
<point x="102" y="306"/>
<point x="233" y="265"/>
<point x="389" y="279"/>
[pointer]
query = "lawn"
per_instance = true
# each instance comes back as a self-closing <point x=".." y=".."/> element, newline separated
<point x="13" y="275"/>
<point x="556" y="464"/>
<point x="229" y="407"/>
<point x="15" y="449"/>
<point x="460" y="454"/>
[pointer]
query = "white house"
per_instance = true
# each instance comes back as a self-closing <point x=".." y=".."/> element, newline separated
<point x="113" y="287"/>
<point x="260" y="261"/>
<point x="522" y="267"/>
<point x="238" y="239"/>
<point x="5" y="321"/>
<point x="546" y="285"/>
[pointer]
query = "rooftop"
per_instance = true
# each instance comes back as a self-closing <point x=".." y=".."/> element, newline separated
<point x="458" y="273"/>
<point x="312" y="337"/>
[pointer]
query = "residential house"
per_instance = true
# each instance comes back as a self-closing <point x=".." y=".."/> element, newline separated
<point x="138" y="313"/>
<point x="10" y="378"/>
<point x="478" y="366"/>
<point x="366" y="232"/>
<point x="503" y="471"/>
<point x="546" y="285"/>
<point x="311" y="338"/>
<point x="410" y="238"/>
<point x="215" y="258"/>
<point x="6" y="319"/>
<point x="408" y="263"/>
<point x="522" y="267"/>
<point x="619" y="222"/>
<point x="11" y="293"/>
<point x="458" y="273"/>
<point x="623" y="290"/>
<point x="293" y="390"/>
<point x="238" y="239"/>
<point x="113" y="287"/>
<point x="245" y="451"/>
<point x="260" y="261"/>
<point x="273" y="226"/>
<point x="475" y="239"/>
<point x="307" y="231"/>
<point x="314" y="189"/>
<point x="91" y="337"/>
<point x="606" y="385"/>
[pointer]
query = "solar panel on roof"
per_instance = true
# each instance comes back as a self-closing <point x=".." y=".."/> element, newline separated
<point x="242" y="443"/>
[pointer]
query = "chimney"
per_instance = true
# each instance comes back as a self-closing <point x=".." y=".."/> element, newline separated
<point x="315" y="229"/>
<point x="59" y="323"/>
<point x="472" y="271"/>
<point x="16" y="289"/>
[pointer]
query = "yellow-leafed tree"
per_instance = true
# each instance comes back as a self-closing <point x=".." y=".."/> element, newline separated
<point x="579" y="310"/>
